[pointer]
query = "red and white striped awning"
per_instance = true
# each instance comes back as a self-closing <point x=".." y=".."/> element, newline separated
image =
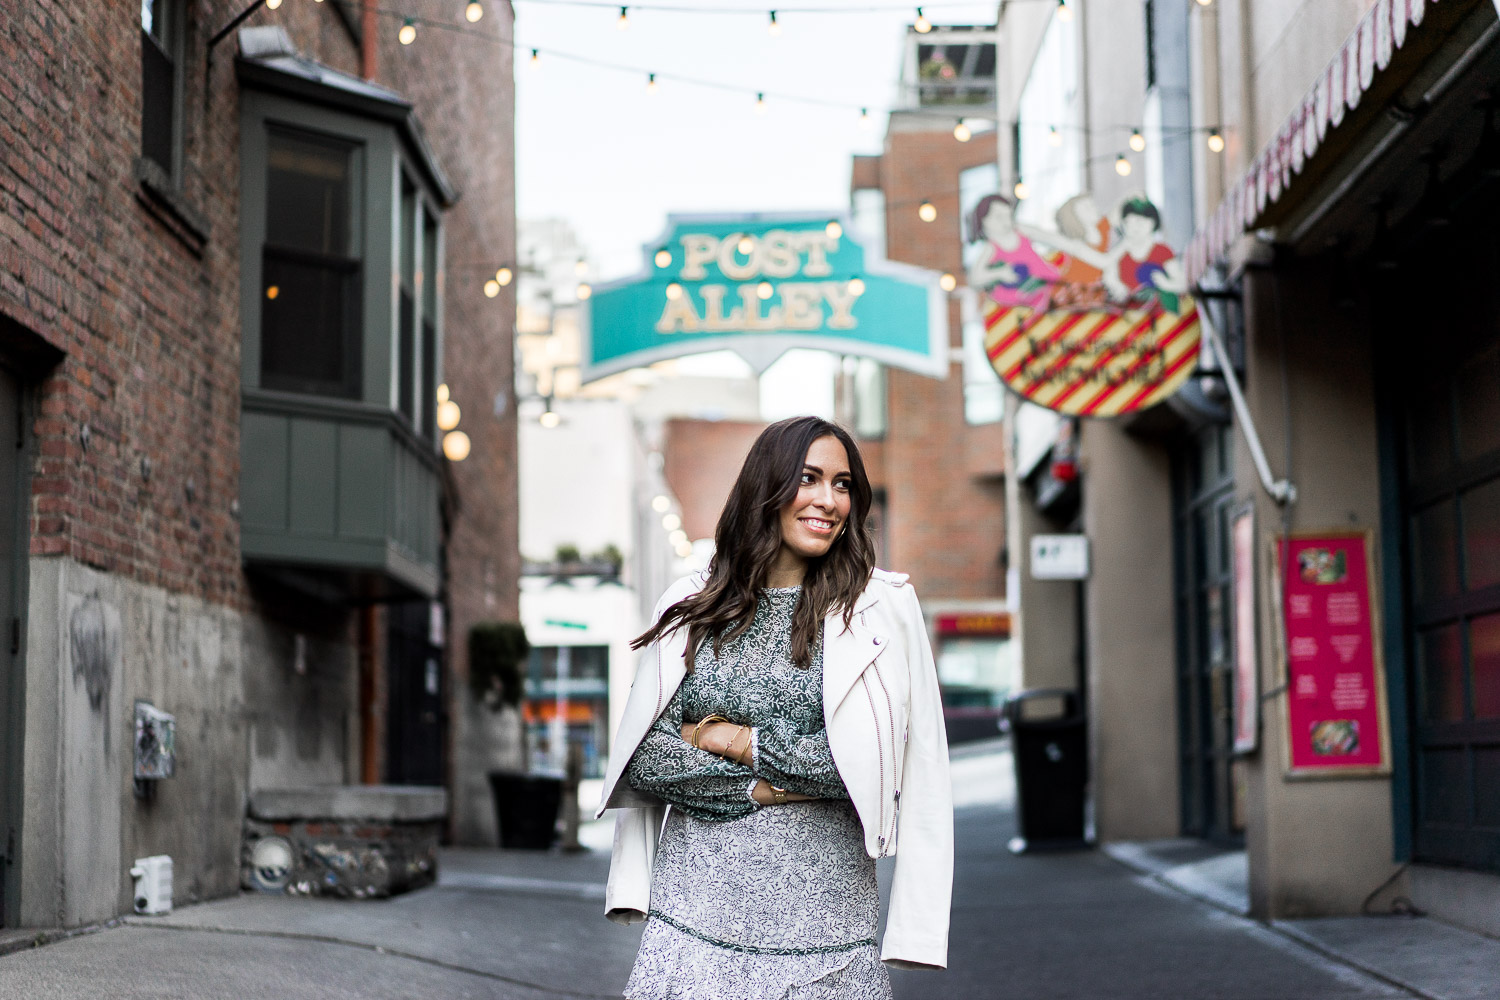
<point x="1338" y="90"/>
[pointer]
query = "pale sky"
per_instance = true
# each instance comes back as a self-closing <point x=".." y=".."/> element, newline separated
<point x="593" y="147"/>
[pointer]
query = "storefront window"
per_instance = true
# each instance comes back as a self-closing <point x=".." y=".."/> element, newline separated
<point x="567" y="701"/>
<point x="975" y="670"/>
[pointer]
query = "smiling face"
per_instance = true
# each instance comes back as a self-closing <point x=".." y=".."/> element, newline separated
<point x="999" y="222"/>
<point x="819" y="513"/>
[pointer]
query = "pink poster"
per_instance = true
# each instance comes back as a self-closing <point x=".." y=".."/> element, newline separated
<point x="1246" y="690"/>
<point x="1335" y="690"/>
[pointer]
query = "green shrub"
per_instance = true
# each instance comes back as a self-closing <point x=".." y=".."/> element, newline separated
<point x="497" y="663"/>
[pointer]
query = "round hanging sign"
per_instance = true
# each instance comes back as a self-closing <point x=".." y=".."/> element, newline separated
<point x="1093" y="320"/>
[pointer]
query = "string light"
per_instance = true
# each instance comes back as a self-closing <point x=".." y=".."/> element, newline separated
<point x="448" y="415"/>
<point x="1137" y="141"/>
<point x="660" y="503"/>
<point x="1064" y="12"/>
<point x="947" y="282"/>
<point x="746" y="246"/>
<point x="774" y="28"/>
<point x="1204" y="3"/>
<point x="663" y="258"/>
<point x="1054" y="137"/>
<point x="584" y="291"/>
<point x="408" y="32"/>
<point x="580" y="267"/>
<point x="456" y="446"/>
<point x="864" y="118"/>
<point x="1215" y="142"/>
<point x="651" y="83"/>
<point x="272" y="291"/>
<point x="922" y="25"/>
<point x="549" y="419"/>
<point x="764" y="290"/>
<point x="624" y="21"/>
<point x="674" y="291"/>
<point x="474" y="11"/>
<point x="536" y="58"/>
<point x="504" y="276"/>
<point x="760" y="103"/>
<point x="833" y="229"/>
<point x="1022" y="192"/>
<point x="442" y="393"/>
<point x="927" y="211"/>
<point x="961" y="132"/>
<point x="671" y="522"/>
<point x="1122" y="166"/>
<point x="272" y="4"/>
<point x="856" y="287"/>
<point x="491" y="288"/>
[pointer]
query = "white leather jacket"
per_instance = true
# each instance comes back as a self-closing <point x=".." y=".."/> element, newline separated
<point x="885" y="728"/>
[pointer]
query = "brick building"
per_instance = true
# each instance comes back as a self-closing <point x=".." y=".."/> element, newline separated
<point x="227" y="496"/>
<point x="935" y="448"/>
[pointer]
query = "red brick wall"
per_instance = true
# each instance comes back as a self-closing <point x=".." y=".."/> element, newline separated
<point x="702" y="459"/>
<point x="945" y="525"/>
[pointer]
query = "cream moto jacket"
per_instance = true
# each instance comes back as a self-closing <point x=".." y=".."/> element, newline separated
<point x="885" y="728"/>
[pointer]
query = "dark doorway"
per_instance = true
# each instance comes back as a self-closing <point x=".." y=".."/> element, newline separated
<point x="416" y="724"/>
<point x="1203" y="499"/>
<point x="13" y="552"/>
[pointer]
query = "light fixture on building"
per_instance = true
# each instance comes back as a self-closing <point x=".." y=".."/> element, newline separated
<point x="473" y="11"/>
<point x="442" y="393"/>
<point x="456" y="446"/>
<point x="760" y="103"/>
<point x="536" y="58"/>
<point x="774" y="28"/>
<point x="1054" y="137"/>
<point x="927" y="211"/>
<point x="584" y="291"/>
<point x="674" y="291"/>
<point x="624" y="21"/>
<point x="764" y="290"/>
<point x="671" y="522"/>
<point x="447" y="415"/>
<point x="1122" y="166"/>
<point x="550" y="418"/>
<point x="864" y="118"/>
<point x="856" y="287"/>
<point x="504" y="276"/>
<point x="1064" y="12"/>
<point x="833" y="230"/>
<point x="961" y="132"/>
<point x="650" y="83"/>
<point x="272" y="291"/>
<point x="663" y="258"/>
<point x="660" y="503"/>
<point x="1022" y="192"/>
<point x="491" y="288"/>
<point x="1137" y="141"/>
<point x="947" y="282"/>
<point x="1215" y="141"/>
<point x="407" y="35"/>
<point x="922" y="25"/>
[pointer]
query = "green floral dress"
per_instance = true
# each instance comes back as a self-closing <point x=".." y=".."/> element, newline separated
<point x="750" y="902"/>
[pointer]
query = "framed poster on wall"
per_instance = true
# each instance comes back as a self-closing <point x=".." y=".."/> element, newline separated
<point x="1246" y="677"/>
<point x="1336" y="722"/>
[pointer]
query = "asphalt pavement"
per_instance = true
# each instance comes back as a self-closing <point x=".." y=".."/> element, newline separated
<point x="527" y="926"/>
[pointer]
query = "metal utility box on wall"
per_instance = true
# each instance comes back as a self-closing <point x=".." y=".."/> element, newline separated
<point x="155" y="743"/>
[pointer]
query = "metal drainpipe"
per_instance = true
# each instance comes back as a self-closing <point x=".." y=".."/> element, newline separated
<point x="368" y="30"/>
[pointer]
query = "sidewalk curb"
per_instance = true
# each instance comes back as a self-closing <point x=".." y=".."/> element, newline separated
<point x="1282" y="930"/>
<point x="25" y="939"/>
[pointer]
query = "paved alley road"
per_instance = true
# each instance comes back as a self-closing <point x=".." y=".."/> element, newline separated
<point x="528" y="927"/>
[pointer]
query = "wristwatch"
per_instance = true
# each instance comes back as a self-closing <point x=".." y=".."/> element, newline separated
<point x="778" y="795"/>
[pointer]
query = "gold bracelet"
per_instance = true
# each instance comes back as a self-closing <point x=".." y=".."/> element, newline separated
<point x="778" y="795"/>
<point x="729" y="747"/>
<point x="698" y="729"/>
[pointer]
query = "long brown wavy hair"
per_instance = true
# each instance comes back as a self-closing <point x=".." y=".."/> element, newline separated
<point x="748" y="538"/>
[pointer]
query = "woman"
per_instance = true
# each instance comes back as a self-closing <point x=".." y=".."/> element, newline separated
<point x="787" y="710"/>
<point x="1008" y="267"/>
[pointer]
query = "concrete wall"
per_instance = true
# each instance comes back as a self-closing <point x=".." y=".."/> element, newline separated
<point x="1316" y="846"/>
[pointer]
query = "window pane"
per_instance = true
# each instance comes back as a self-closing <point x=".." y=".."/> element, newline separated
<point x="1435" y="542"/>
<point x="307" y="338"/>
<point x="1441" y="660"/>
<point x="158" y="93"/>
<point x="869" y="399"/>
<point x="1487" y="786"/>
<point x="1484" y="665"/>
<point x="1478" y="390"/>
<point x="1430" y="431"/>
<point x="308" y="190"/>
<point x="1445" y="786"/>
<point x="1481" y="511"/>
<point x="406" y="345"/>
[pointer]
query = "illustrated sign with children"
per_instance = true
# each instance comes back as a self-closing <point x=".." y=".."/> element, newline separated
<point x="1093" y="319"/>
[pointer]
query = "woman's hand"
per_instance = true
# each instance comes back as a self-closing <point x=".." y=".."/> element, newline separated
<point x="724" y="739"/>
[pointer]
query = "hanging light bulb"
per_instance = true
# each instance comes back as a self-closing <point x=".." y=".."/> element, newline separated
<point x="856" y="287"/>
<point x="549" y="419"/>
<point x="491" y="288"/>
<point x="624" y="21"/>
<point x="961" y="132"/>
<point x="1054" y="137"/>
<point x="674" y="291"/>
<point x="474" y="11"/>
<point x="1022" y="192"/>
<point x="536" y="59"/>
<point x="947" y="282"/>
<point x="580" y="267"/>
<point x="671" y="522"/>
<point x="660" y="503"/>
<point x="1122" y="166"/>
<point x="1204" y="3"/>
<point x="1064" y="12"/>
<point x="408" y="32"/>
<point x="833" y="229"/>
<point x="448" y="415"/>
<point x="764" y="291"/>
<point x="584" y="291"/>
<point x="456" y="446"/>
<point x="760" y="103"/>
<point x="1137" y="141"/>
<point x="504" y="276"/>
<point x="272" y="4"/>
<point x="864" y="118"/>
<point x="663" y="258"/>
<point x="774" y="28"/>
<point x="927" y="211"/>
<point x="442" y="393"/>
<point x="651" y="83"/>
<point x="922" y="25"/>
<point x="1215" y="141"/>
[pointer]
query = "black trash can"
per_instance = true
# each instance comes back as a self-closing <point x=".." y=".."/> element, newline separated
<point x="526" y="807"/>
<point x="1050" y="753"/>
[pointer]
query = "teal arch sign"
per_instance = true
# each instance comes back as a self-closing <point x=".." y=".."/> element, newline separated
<point x="760" y="285"/>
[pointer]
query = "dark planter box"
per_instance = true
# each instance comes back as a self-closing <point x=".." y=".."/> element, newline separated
<point x="526" y="808"/>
